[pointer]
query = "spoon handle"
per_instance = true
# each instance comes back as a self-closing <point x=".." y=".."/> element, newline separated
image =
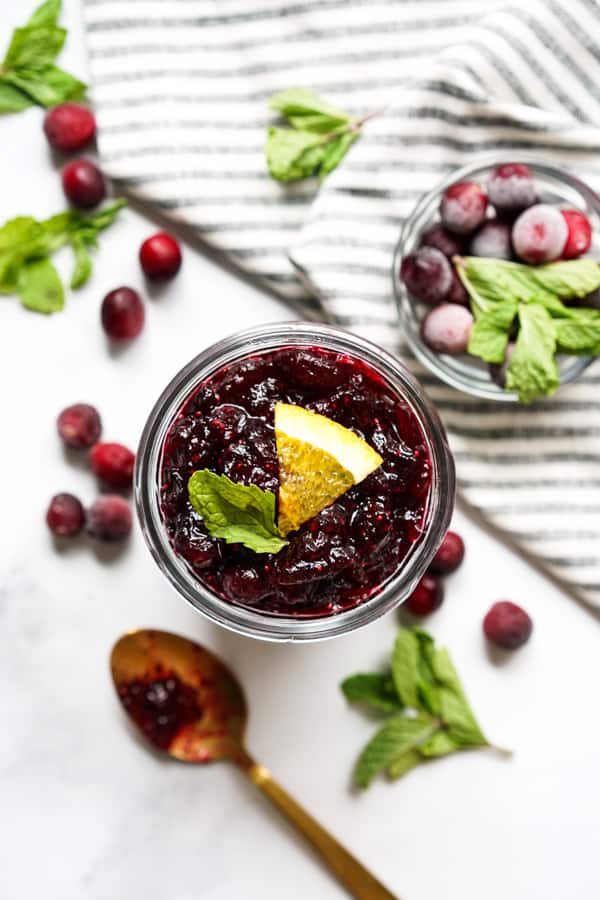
<point x="360" y="883"/>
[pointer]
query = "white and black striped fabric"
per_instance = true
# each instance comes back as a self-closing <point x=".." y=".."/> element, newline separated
<point x="181" y="90"/>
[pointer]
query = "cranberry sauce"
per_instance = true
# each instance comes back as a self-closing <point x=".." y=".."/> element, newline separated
<point x="341" y="556"/>
<point x="161" y="704"/>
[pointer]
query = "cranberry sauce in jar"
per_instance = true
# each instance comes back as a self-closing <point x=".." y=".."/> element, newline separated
<point x="347" y="552"/>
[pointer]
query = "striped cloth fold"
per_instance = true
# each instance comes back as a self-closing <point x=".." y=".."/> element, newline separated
<point x="181" y="90"/>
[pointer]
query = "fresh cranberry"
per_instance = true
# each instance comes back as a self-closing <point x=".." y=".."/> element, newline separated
<point x="426" y="597"/>
<point x="83" y="183"/>
<point x="113" y="464"/>
<point x="427" y="274"/>
<point x="579" y="233"/>
<point x="458" y="292"/>
<point x="507" y="625"/>
<point x="65" y="516"/>
<point x="511" y="188"/>
<point x="449" y="556"/>
<point x="493" y="239"/>
<point x="69" y="127"/>
<point x="160" y="256"/>
<point x="447" y="243"/>
<point x="122" y="314"/>
<point x="463" y="206"/>
<point x="79" y="426"/>
<point x="539" y="235"/>
<point x="446" y="329"/>
<point x="109" y="518"/>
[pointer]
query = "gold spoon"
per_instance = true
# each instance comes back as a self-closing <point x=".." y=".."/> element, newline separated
<point x="188" y="704"/>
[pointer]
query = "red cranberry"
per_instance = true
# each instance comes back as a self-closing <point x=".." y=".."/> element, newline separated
<point x="160" y="256"/>
<point x="507" y="625"/>
<point x="449" y="556"/>
<point x="539" y="235"/>
<point x="493" y="239"/>
<point x="109" y="518"/>
<point x="447" y="243"/>
<point x="65" y="516"/>
<point x="244" y="584"/>
<point x="83" y="183"/>
<point x="446" y="328"/>
<point x="511" y="188"/>
<point x="122" y="314"/>
<point x="79" y="426"/>
<point x="113" y="464"/>
<point x="426" y="597"/>
<point x="463" y="206"/>
<point x="579" y="233"/>
<point x="427" y="274"/>
<point x="69" y="127"/>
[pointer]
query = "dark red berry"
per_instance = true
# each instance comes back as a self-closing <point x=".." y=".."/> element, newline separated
<point x="426" y="597"/>
<point x="113" y="464"/>
<point x="579" y="233"/>
<point x="463" y="206"/>
<point x="427" y="275"/>
<point x="65" y="516"/>
<point x="458" y="292"/>
<point x="69" y="127"/>
<point x="511" y="189"/>
<point x="507" y="625"/>
<point x="449" y="556"/>
<point x="447" y="243"/>
<point x="244" y="584"/>
<point x="446" y="329"/>
<point x="83" y="183"/>
<point x="493" y="239"/>
<point x="122" y="314"/>
<point x="79" y="426"/>
<point x="109" y="518"/>
<point x="160" y="256"/>
<point x="539" y="235"/>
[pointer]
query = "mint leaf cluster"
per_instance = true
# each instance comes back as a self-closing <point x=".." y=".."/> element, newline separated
<point x="237" y="513"/>
<point x="507" y="294"/>
<point x="27" y="244"/>
<point x="429" y="712"/>
<point x="317" y="140"/>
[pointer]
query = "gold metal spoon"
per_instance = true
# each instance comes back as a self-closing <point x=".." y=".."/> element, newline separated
<point x="188" y="704"/>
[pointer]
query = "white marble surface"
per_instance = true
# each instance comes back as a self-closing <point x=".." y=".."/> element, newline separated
<point x="87" y="812"/>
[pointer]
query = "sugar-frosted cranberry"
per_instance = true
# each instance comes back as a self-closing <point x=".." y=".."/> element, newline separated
<point x="426" y="597"/>
<point x="122" y="314"/>
<point x="579" y="233"/>
<point x="113" y="464"/>
<point x="427" y="274"/>
<point x="511" y="188"/>
<point x="160" y="256"/>
<point x="447" y="243"/>
<point x="463" y="206"/>
<point x="83" y="183"/>
<point x="65" y="515"/>
<point x="458" y="292"/>
<point x="507" y="625"/>
<point x="539" y="234"/>
<point x="498" y="371"/>
<point x="449" y="556"/>
<point x="109" y="518"/>
<point x="79" y="426"/>
<point x="69" y="127"/>
<point x="446" y="328"/>
<point x="245" y="584"/>
<point x="493" y="239"/>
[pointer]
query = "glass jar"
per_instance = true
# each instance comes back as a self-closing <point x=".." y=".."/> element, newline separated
<point x="253" y="622"/>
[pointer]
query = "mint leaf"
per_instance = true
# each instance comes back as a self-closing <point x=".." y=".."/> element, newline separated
<point x="335" y="152"/>
<point x="46" y="14"/>
<point x="237" y="513"/>
<point x="305" y="110"/>
<point x="372" y="688"/>
<point x="399" y="735"/>
<point x="490" y="331"/>
<point x="455" y="711"/>
<point x="405" y="667"/>
<point x="83" y="264"/>
<point x="532" y="370"/>
<point x="568" y="278"/>
<point x="34" y="47"/>
<point x="11" y="98"/>
<point x="88" y="227"/>
<point x="292" y="155"/>
<point x="578" y="336"/>
<point x="427" y="687"/>
<point x="403" y="764"/>
<point x="47" y="87"/>
<point x="39" y="286"/>
<point x="439" y="744"/>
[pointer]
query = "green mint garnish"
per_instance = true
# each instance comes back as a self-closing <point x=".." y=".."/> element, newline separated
<point x="431" y="714"/>
<point x="28" y="75"/>
<point x="237" y="513"/>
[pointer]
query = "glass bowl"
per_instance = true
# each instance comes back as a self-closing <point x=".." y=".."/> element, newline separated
<point x="256" y="623"/>
<point x="468" y="373"/>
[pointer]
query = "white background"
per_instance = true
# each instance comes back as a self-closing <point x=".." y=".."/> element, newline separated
<point x="85" y="810"/>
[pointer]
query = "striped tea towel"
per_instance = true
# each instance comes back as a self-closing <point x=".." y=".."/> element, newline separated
<point x="181" y="90"/>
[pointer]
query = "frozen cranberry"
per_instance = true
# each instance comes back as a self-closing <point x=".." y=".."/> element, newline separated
<point x="492" y="240"/>
<point x="122" y="314"/>
<point x="458" y="292"/>
<point x="507" y="625"/>
<point x="449" y="556"/>
<point x="109" y="518"/>
<point x="463" y="207"/>
<point x="160" y="256"/>
<point x="446" y="328"/>
<point x="539" y="234"/>
<point x="447" y="243"/>
<point x="65" y="516"/>
<point x="427" y="275"/>
<point x="83" y="183"/>
<point x="79" y="426"/>
<point x="426" y="597"/>
<point x="498" y="370"/>
<point x="69" y="127"/>
<point x="579" y="233"/>
<point x="113" y="464"/>
<point x="511" y="188"/>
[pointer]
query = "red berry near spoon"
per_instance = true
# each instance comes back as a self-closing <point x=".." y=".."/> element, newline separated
<point x="449" y="556"/>
<point x="427" y="275"/>
<point x="79" y="426"/>
<point x="65" y="516"/>
<point x="507" y="625"/>
<point x="160" y="256"/>
<point x="69" y="127"/>
<point x="122" y="314"/>
<point x="463" y="207"/>
<point x="579" y="233"/>
<point x="539" y="235"/>
<point x="83" y="183"/>
<point x="426" y="597"/>
<point x="113" y="464"/>
<point x="109" y="518"/>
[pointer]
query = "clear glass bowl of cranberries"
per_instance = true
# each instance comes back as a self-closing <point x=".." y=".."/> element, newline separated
<point x="360" y="556"/>
<point x="488" y="231"/>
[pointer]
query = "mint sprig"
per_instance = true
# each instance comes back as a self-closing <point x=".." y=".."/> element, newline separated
<point x="431" y="714"/>
<point x="237" y="513"/>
